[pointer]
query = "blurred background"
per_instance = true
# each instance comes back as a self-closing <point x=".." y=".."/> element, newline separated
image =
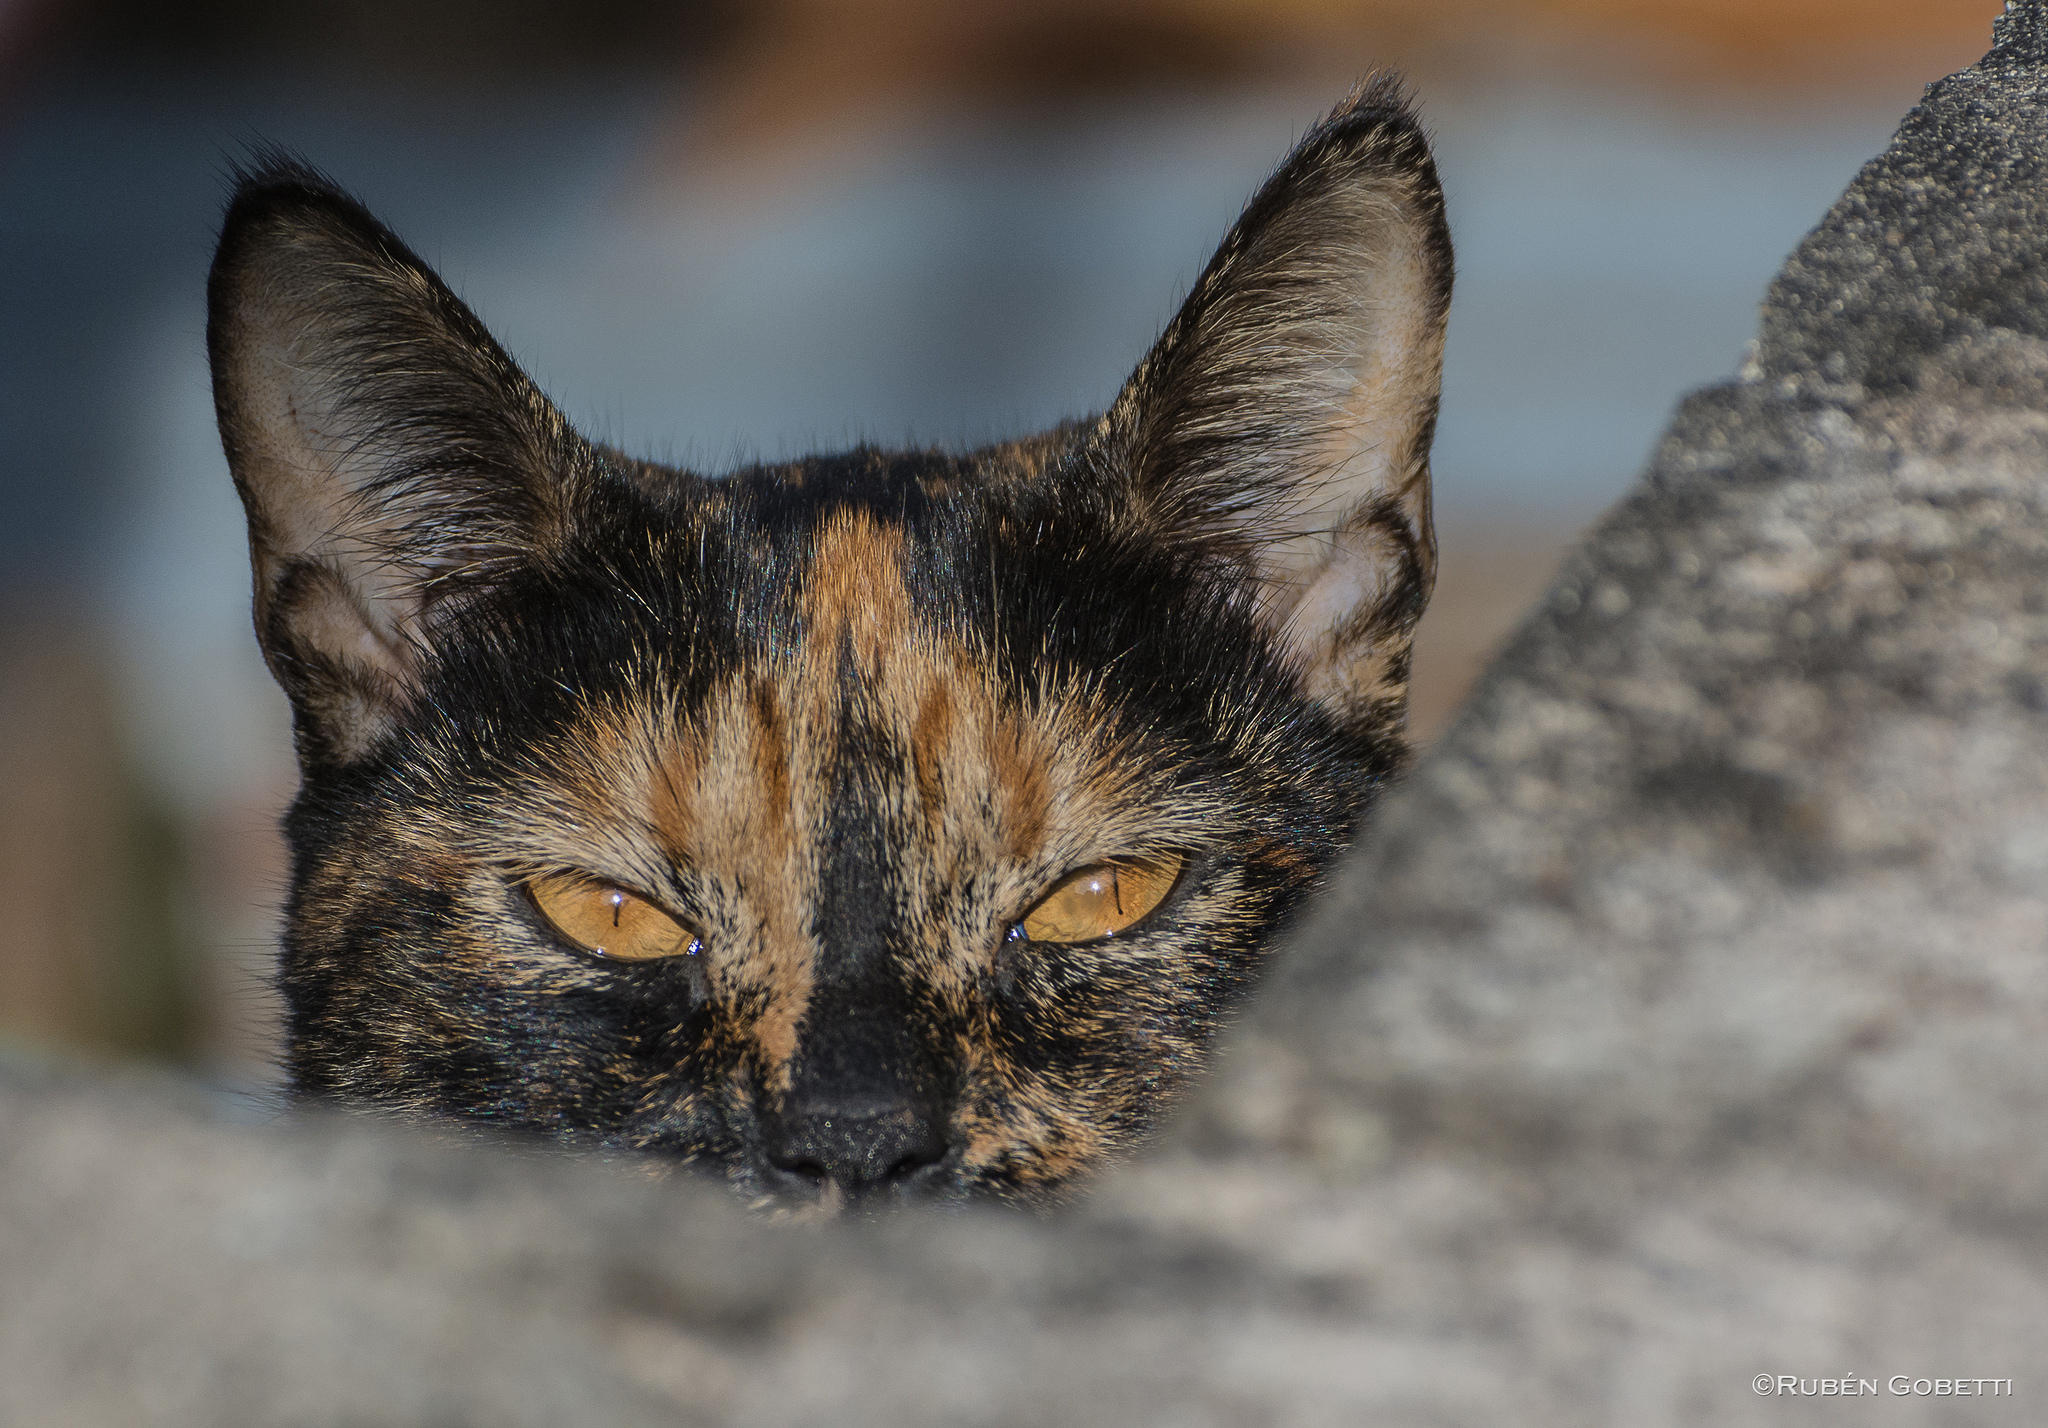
<point x="745" y="228"/>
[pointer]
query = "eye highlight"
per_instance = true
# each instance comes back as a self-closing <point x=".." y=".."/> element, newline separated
<point x="1102" y="900"/>
<point x="605" y="919"/>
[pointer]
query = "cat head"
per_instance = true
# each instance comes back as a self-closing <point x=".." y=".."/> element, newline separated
<point x="873" y="826"/>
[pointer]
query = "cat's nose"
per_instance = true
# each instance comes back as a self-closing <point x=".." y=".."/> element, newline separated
<point x="868" y="1151"/>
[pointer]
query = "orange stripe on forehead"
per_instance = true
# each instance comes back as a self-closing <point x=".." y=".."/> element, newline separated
<point x="928" y="745"/>
<point x="855" y="589"/>
<point x="678" y="770"/>
<point x="1017" y="765"/>
<point x="771" y="759"/>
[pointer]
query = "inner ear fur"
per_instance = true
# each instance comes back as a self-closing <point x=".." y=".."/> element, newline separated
<point x="392" y="459"/>
<point x="1285" y="416"/>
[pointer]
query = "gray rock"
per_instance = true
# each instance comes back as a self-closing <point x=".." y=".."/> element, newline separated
<point x="1682" y="1022"/>
<point x="1939" y="239"/>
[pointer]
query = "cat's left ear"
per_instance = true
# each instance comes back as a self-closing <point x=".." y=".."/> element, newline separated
<point x="1286" y="414"/>
<point x="394" y="462"/>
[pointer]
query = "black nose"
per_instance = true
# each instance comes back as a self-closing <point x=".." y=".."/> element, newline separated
<point x="869" y="1150"/>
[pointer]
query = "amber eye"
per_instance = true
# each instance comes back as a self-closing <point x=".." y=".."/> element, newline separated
<point x="608" y="920"/>
<point x="1102" y="901"/>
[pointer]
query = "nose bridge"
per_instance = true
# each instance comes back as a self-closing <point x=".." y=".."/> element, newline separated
<point x="857" y="914"/>
<point x="860" y="1042"/>
<point x="859" y="1051"/>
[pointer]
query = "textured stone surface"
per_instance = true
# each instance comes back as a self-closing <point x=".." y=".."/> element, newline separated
<point x="1939" y="239"/>
<point x="1684" y="1020"/>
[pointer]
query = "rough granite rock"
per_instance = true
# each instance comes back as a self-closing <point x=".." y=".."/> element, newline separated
<point x="1685" y="1020"/>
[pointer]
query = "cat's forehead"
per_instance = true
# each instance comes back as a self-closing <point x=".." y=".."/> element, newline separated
<point x="894" y="549"/>
<point x="915" y="650"/>
<point x="865" y="718"/>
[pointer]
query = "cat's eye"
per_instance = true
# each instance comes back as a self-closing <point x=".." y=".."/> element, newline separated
<point x="1102" y="900"/>
<point x="603" y="918"/>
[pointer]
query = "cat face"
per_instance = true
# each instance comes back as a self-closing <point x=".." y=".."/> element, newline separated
<point x="871" y="827"/>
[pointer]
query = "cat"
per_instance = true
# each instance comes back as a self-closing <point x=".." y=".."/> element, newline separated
<point x="872" y="828"/>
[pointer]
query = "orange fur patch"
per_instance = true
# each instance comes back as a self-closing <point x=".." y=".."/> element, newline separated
<point x="856" y="590"/>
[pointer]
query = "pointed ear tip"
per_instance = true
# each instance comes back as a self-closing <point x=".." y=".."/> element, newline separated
<point x="1379" y="89"/>
<point x="267" y="174"/>
<point x="1380" y="106"/>
<point x="277" y="201"/>
<point x="274" y="187"/>
<point x="281" y="211"/>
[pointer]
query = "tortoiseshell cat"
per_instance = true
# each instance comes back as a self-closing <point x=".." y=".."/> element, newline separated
<point x="877" y="826"/>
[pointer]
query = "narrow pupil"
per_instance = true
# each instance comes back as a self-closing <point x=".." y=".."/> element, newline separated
<point x="1116" y="891"/>
<point x="618" y="904"/>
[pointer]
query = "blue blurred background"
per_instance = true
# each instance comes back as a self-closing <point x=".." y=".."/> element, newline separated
<point x="721" y="231"/>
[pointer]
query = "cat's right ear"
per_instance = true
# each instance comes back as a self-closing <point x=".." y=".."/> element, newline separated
<point x="1284" y="418"/>
<point x="393" y="460"/>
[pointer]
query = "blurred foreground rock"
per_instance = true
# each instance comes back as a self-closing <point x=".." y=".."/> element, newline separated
<point x="1685" y="1021"/>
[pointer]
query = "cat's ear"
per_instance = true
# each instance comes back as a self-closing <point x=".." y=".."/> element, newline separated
<point x="392" y="459"/>
<point x="1286" y="414"/>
